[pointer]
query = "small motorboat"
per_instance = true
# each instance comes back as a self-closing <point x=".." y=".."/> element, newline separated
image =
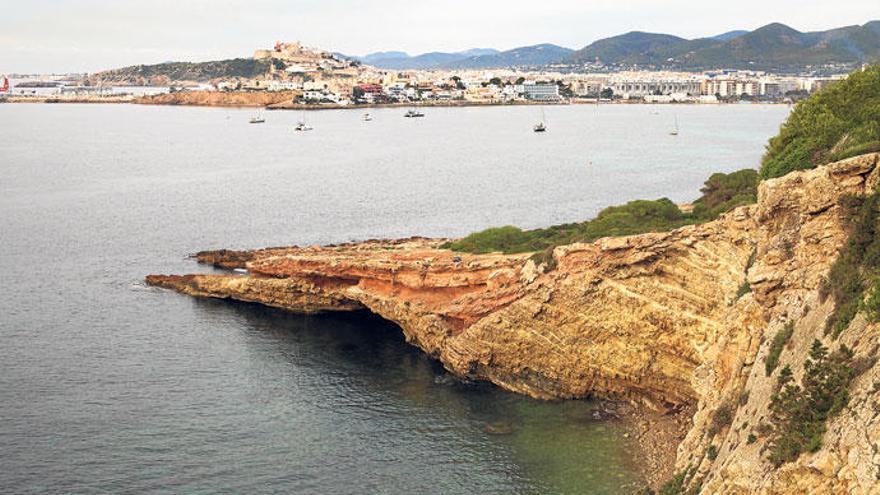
<point x="302" y="127"/>
<point x="413" y="113"/>
<point x="257" y="120"/>
<point x="367" y="117"/>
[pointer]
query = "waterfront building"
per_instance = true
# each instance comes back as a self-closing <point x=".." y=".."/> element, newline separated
<point x="639" y="88"/>
<point x="540" y="91"/>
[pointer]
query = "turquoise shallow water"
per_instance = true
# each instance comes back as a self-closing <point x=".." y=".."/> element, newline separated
<point x="107" y="386"/>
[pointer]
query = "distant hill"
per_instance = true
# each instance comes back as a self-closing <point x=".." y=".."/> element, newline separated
<point x="476" y="58"/>
<point x="380" y="56"/>
<point x="403" y="61"/>
<point x="729" y="35"/>
<point x="189" y="71"/>
<point x="633" y="47"/>
<point x="536" y="55"/>
<point x="771" y="47"/>
<point x="476" y="52"/>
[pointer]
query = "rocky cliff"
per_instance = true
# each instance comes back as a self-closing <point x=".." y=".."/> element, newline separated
<point x="220" y="98"/>
<point x="664" y="319"/>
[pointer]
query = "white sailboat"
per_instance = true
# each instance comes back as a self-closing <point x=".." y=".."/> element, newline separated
<point x="674" y="131"/>
<point x="540" y="126"/>
<point x="302" y="126"/>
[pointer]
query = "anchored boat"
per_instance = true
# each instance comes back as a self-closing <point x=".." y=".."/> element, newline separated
<point x="540" y="126"/>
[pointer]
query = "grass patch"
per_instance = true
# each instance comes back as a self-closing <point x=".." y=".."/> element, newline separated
<point x="798" y="412"/>
<point x="776" y="347"/>
<point x="839" y="121"/>
<point x="721" y="193"/>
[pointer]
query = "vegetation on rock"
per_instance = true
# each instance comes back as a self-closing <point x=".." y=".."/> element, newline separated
<point x="838" y="122"/>
<point x="799" y="412"/>
<point x="858" y="264"/>
<point x="678" y="484"/>
<point x="721" y="419"/>
<point x="247" y="68"/>
<point x="721" y="193"/>
<point x="776" y="347"/>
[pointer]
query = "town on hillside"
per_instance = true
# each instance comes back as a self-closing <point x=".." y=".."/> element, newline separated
<point x="310" y="76"/>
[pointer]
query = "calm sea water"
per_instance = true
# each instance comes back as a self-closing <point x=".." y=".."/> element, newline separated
<point x="107" y="386"/>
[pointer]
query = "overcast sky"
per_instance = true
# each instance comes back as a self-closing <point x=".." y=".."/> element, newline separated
<point x="90" y="35"/>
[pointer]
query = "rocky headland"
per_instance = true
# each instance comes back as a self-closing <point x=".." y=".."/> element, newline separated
<point x="680" y="320"/>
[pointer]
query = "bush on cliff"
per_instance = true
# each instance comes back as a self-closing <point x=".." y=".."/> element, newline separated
<point x="635" y="217"/>
<point x="724" y="192"/>
<point x="858" y="264"/>
<point x="798" y="413"/>
<point x="721" y="193"/>
<point x="776" y="347"/>
<point x="840" y="121"/>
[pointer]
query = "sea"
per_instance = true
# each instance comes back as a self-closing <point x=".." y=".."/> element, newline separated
<point x="110" y="386"/>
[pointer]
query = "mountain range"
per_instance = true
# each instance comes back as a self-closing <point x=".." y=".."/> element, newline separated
<point x="476" y="58"/>
<point x="771" y="47"/>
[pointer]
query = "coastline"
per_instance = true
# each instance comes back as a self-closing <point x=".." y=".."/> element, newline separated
<point x="282" y="100"/>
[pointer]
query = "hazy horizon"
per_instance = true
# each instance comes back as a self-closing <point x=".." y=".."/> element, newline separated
<point x="62" y="36"/>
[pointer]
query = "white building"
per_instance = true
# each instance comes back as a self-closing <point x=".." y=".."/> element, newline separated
<point x="639" y="88"/>
<point x="540" y="91"/>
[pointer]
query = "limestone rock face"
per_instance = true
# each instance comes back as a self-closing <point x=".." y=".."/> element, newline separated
<point x="666" y="319"/>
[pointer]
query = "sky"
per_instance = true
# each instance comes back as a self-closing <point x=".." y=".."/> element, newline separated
<point x="44" y="36"/>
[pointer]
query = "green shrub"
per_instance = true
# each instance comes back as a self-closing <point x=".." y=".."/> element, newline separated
<point x="712" y="452"/>
<point x="676" y="485"/>
<point x="776" y="347"/>
<point x="744" y="288"/>
<point x="545" y="258"/>
<point x="722" y="418"/>
<point x="751" y="439"/>
<point x="721" y="193"/>
<point x="839" y="121"/>
<point x="635" y="217"/>
<point x="858" y="262"/>
<point x="798" y="413"/>
<point x="871" y="304"/>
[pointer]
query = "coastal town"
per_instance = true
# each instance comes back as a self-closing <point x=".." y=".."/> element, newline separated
<point x="297" y="76"/>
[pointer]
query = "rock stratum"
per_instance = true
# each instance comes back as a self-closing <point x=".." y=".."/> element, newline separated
<point x="219" y="98"/>
<point x="683" y="318"/>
